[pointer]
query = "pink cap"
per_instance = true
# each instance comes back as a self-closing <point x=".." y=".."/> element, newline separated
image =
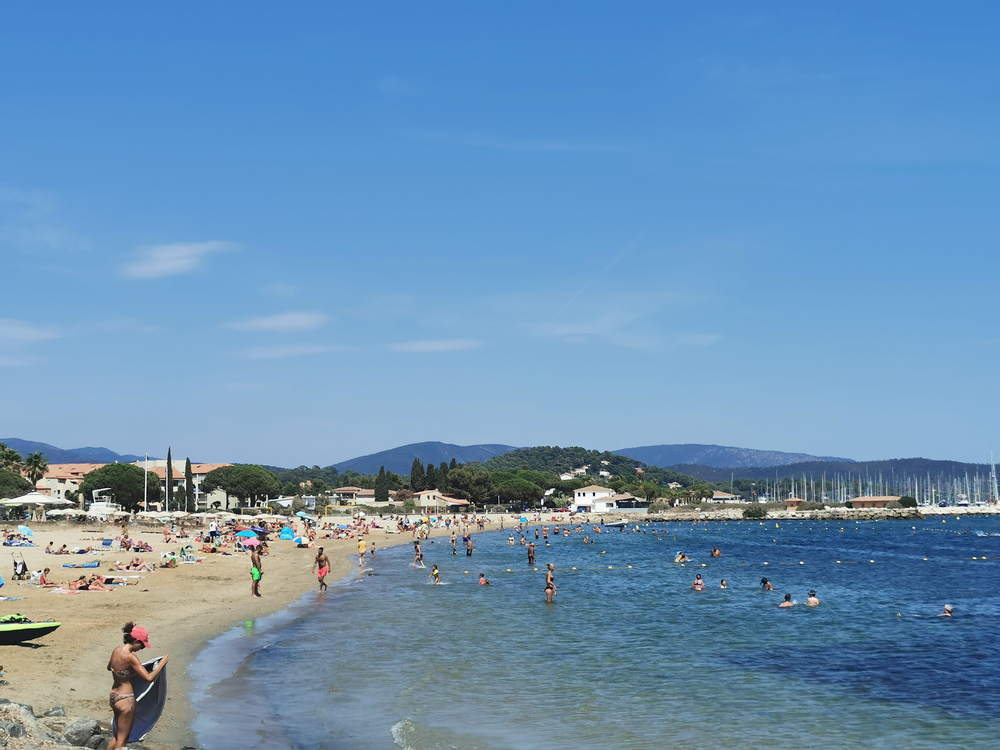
<point x="141" y="635"/>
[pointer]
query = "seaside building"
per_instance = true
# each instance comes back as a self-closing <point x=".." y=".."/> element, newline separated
<point x="594" y="499"/>
<point x="725" y="497"/>
<point x="202" y="500"/>
<point x="881" y="501"/>
<point x="793" y="503"/>
<point x="62" y="478"/>
<point x="434" y="499"/>
<point x="353" y="495"/>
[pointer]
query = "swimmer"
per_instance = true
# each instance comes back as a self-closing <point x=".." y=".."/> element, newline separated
<point x="482" y="580"/>
<point x="715" y="552"/>
<point x="812" y="601"/>
<point x="698" y="585"/>
<point x="681" y="558"/>
<point x="723" y="584"/>
<point x="948" y="609"/>
<point x="766" y="585"/>
<point x="787" y="602"/>
<point x="435" y="574"/>
<point x="510" y="541"/>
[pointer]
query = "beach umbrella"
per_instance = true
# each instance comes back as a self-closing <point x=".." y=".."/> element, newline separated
<point x="300" y="540"/>
<point x="37" y="498"/>
<point x="25" y="530"/>
<point x="251" y="542"/>
<point x="247" y="533"/>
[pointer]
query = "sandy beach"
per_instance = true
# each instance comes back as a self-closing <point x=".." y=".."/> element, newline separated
<point x="182" y="608"/>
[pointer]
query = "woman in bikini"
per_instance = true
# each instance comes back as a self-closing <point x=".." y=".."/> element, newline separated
<point x="124" y="665"/>
<point x="550" y="582"/>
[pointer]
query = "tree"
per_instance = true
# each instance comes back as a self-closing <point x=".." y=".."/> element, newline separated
<point x="289" y="489"/>
<point x="218" y="479"/>
<point x="471" y="483"/>
<point x="381" y="487"/>
<point x="908" y="502"/>
<point x="250" y="482"/>
<point x="73" y="496"/>
<point x="418" y="480"/>
<point x="518" y="491"/>
<point x="124" y="482"/>
<point x="453" y="465"/>
<point x="188" y="486"/>
<point x="755" y="511"/>
<point x="35" y="467"/>
<point x="12" y="484"/>
<point x="10" y="459"/>
<point x="432" y="477"/>
<point x="170" y="479"/>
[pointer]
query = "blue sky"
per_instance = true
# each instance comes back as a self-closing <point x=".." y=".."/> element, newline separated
<point x="296" y="234"/>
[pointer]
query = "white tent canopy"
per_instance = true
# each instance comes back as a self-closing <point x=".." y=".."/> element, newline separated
<point x="37" y="498"/>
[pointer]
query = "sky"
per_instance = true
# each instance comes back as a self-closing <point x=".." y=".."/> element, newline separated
<point x="294" y="234"/>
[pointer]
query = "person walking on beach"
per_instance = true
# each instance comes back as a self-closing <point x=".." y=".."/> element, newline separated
<point x="322" y="566"/>
<point x="213" y="531"/>
<point x="435" y="574"/>
<point x="362" y="548"/>
<point x="256" y="572"/>
<point x="550" y="583"/>
<point x="125" y="666"/>
<point x="531" y="553"/>
<point x="418" y="555"/>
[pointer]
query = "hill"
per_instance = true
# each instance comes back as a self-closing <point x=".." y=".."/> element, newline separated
<point x="69" y="455"/>
<point x="400" y="460"/>
<point x="556" y="460"/>
<point x="894" y="467"/>
<point x="717" y="456"/>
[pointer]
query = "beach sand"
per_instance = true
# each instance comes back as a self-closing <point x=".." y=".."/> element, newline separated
<point x="182" y="608"/>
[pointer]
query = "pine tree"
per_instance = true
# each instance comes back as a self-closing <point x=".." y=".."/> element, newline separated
<point x="453" y="464"/>
<point x="381" y="486"/>
<point x="188" y="486"/>
<point x="443" y="477"/>
<point x="170" y="479"/>
<point x="432" y="477"/>
<point x="418" y="480"/>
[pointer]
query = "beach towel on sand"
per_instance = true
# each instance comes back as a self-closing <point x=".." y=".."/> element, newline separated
<point x="95" y="564"/>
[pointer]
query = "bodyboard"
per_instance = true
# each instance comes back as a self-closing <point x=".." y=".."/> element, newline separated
<point x="150" y="698"/>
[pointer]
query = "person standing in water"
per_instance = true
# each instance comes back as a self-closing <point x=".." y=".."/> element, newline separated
<point x="362" y="550"/>
<point x="766" y="585"/>
<point x="322" y="566"/>
<point x="256" y="572"/>
<point x="812" y="601"/>
<point x="418" y="555"/>
<point x="454" y="539"/>
<point x="531" y="553"/>
<point x="698" y="584"/>
<point x="550" y="583"/>
<point x="435" y="574"/>
<point x="125" y="666"/>
<point x="723" y="584"/>
<point x="468" y="546"/>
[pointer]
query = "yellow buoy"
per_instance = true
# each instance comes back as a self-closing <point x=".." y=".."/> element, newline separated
<point x="871" y="561"/>
<point x="775" y="525"/>
<point x="609" y="567"/>
<point x="801" y="563"/>
<point x="630" y="566"/>
<point x="508" y="570"/>
<point x="466" y="572"/>
<point x="925" y="559"/>
<point x="765" y="563"/>
<point x="574" y="568"/>
<point x="838" y="562"/>
<point x="535" y="569"/>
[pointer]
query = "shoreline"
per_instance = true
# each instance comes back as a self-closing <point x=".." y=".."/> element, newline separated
<point x="183" y="608"/>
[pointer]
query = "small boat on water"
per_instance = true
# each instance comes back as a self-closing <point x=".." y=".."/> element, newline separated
<point x="16" y="629"/>
<point x="616" y="524"/>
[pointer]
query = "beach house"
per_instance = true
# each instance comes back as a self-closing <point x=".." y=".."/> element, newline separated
<point x="593" y="499"/>
<point x="874" y="502"/>
<point x="62" y="478"/>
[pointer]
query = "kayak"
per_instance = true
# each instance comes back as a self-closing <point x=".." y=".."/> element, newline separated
<point x="18" y="632"/>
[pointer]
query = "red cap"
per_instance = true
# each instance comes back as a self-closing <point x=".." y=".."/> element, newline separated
<point x="141" y="635"/>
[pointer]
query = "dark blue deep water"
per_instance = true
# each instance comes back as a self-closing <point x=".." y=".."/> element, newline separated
<point x="631" y="657"/>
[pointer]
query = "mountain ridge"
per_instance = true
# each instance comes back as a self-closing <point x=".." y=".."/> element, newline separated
<point x="87" y="455"/>
<point x="717" y="456"/>
<point x="400" y="459"/>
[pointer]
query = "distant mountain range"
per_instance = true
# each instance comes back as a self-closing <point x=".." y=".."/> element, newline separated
<point x="716" y="455"/>
<point x="400" y="459"/>
<point x="69" y="455"/>
<point x="914" y="467"/>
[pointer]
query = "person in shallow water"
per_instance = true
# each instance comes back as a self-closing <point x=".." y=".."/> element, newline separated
<point x="948" y="609"/>
<point x="124" y="666"/>
<point x="812" y="601"/>
<point x="681" y="557"/>
<point x="787" y="602"/>
<point x="716" y="552"/>
<point x="322" y="566"/>
<point x="723" y="584"/>
<point x="698" y="584"/>
<point x="435" y="574"/>
<point x="482" y="580"/>
<point x="766" y="585"/>
<point x="550" y="583"/>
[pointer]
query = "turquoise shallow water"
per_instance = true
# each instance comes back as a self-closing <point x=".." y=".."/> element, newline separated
<point x="631" y="657"/>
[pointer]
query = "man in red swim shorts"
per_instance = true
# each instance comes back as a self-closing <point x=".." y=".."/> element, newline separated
<point x="322" y="566"/>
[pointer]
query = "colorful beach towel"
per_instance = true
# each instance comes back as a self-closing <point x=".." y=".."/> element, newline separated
<point x="94" y="564"/>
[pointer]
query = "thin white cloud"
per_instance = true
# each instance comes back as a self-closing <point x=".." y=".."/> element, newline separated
<point x="160" y="261"/>
<point x="18" y="331"/>
<point x="699" y="339"/>
<point x="283" y="351"/>
<point x="437" y="345"/>
<point x="286" y="322"/>
<point x="29" y="223"/>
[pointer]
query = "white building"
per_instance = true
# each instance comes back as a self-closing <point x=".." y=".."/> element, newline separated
<point x="594" y="499"/>
<point x="62" y="478"/>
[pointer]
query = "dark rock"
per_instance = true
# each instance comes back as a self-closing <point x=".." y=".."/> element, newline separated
<point x="98" y="742"/>
<point x="13" y="729"/>
<point x="56" y="711"/>
<point x="79" y="731"/>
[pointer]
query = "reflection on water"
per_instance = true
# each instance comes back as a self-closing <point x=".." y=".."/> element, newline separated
<point x="628" y="656"/>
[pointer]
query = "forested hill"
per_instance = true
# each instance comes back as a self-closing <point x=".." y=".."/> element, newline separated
<point x="914" y="467"/>
<point x="400" y="459"/>
<point x="556" y="460"/>
<point x="68" y="455"/>
<point x="716" y="455"/>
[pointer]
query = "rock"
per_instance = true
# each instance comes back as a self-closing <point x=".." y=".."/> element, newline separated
<point x="98" y="742"/>
<point x="13" y="729"/>
<point x="55" y="711"/>
<point x="23" y="706"/>
<point x="79" y="731"/>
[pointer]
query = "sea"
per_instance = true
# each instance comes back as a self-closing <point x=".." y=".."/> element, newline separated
<point x="628" y="655"/>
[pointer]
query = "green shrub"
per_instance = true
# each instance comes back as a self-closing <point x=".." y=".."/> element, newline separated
<point x="755" y="511"/>
<point x="907" y="502"/>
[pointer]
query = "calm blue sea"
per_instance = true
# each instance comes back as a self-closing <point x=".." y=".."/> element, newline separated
<point x="631" y="657"/>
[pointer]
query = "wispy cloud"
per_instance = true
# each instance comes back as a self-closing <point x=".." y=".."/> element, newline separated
<point x="160" y="261"/>
<point x="29" y="223"/>
<point x="699" y="339"/>
<point x="12" y="330"/>
<point x="614" y="326"/>
<point x="286" y="322"/>
<point x="437" y="345"/>
<point x="282" y="351"/>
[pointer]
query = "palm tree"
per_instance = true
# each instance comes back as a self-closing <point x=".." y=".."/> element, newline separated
<point x="35" y="467"/>
<point x="10" y="459"/>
